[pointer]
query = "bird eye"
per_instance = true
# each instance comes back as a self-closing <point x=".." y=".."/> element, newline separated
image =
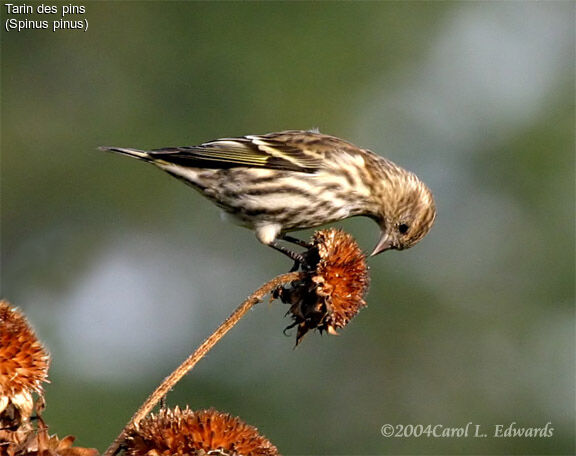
<point x="403" y="228"/>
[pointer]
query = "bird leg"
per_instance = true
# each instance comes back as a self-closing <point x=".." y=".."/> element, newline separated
<point x="310" y="256"/>
<point x="296" y="241"/>
<point x="298" y="258"/>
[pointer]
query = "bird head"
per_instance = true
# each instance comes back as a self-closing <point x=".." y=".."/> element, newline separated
<point x="406" y="216"/>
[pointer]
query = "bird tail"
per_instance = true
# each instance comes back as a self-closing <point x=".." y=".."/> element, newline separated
<point x="134" y="153"/>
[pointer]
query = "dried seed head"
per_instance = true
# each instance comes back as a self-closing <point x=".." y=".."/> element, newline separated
<point x="196" y="433"/>
<point x="23" y="367"/>
<point x="40" y="443"/>
<point x="333" y="290"/>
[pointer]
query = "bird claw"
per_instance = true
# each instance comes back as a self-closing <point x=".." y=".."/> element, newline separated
<point x="295" y="266"/>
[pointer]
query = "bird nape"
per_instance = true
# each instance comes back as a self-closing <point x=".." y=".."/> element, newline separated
<point x="293" y="180"/>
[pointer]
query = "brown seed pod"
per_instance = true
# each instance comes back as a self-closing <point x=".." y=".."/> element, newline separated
<point x="333" y="290"/>
<point x="195" y="433"/>
<point x="23" y="367"/>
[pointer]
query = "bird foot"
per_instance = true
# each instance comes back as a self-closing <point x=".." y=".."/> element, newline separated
<point x="299" y="259"/>
<point x="297" y="241"/>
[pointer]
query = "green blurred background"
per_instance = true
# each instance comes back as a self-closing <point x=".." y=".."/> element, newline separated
<point x="124" y="270"/>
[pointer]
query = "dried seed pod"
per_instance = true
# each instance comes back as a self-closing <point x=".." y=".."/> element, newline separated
<point x="195" y="433"/>
<point x="333" y="290"/>
<point x="23" y="367"/>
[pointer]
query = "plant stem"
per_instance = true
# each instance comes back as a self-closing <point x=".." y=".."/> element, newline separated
<point x="170" y="381"/>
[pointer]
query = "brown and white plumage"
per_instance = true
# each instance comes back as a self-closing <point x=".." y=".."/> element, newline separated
<point x="292" y="180"/>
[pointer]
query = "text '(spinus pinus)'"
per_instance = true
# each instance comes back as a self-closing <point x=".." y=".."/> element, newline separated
<point x="293" y="180"/>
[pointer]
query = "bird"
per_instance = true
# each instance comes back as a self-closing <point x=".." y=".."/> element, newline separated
<point x="291" y="180"/>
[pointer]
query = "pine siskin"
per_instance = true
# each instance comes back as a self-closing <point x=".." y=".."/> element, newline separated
<point x="293" y="180"/>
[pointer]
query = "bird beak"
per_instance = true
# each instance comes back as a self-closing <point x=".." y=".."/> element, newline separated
<point x="384" y="243"/>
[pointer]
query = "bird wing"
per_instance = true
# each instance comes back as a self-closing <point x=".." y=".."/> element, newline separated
<point x="265" y="151"/>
